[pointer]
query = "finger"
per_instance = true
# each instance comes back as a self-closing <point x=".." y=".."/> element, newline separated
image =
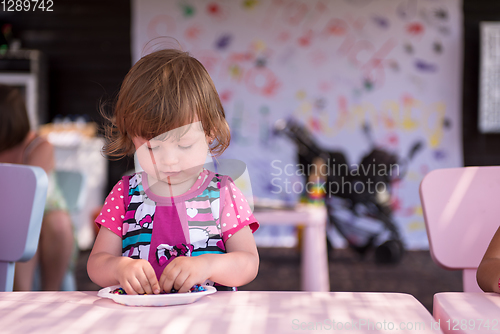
<point x="146" y="286"/>
<point x="169" y="276"/>
<point x="152" y="282"/>
<point x="128" y="288"/>
<point x="143" y="278"/>
<point x="180" y="281"/>
<point x="187" y="285"/>
<point x="137" y="286"/>
<point x="163" y="278"/>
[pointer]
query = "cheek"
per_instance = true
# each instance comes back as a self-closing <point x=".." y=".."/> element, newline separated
<point x="144" y="157"/>
<point x="201" y="152"/>
<point x="195" y="157"/>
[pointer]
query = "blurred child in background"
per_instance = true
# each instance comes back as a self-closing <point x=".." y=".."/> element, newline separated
<point x="19" y="144"/>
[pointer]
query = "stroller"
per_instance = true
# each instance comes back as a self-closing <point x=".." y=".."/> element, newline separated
<point x="363" y="215"/>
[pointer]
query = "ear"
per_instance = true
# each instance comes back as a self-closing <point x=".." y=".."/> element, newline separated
<point x="210" y="139"/>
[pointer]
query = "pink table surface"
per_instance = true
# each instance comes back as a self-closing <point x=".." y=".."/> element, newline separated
<point x="467" y="312"/>
<point x="223" y="312"/>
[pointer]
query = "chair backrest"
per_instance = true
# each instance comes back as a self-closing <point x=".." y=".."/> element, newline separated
<point x="72" y="185"/>
<point x="22" y="201"/>
<point x="461" y="209"/>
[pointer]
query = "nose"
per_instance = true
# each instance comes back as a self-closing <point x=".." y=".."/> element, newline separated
<point x="167" y="158"/>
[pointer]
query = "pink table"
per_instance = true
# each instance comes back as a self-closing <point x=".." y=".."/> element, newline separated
<point x="467" y="312"/>
<point x="223" y="312"/>
<point x="314" y="266"/>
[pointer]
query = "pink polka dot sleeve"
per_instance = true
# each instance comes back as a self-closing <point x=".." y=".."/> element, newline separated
<point x="236" y="213"/>
<point x="113" y="210"/>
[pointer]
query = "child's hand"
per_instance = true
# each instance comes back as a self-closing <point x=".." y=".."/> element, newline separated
<point x="184" y="272"/>
<point x="137" y="276"/>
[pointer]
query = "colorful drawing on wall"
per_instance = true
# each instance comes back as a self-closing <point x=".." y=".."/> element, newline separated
<point x="333" y="65"/>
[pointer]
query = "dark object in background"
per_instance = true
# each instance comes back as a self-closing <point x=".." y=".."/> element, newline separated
<point x="363" y="216"/>
<point x="390" y="251"/>
<point x="87" y="45"/>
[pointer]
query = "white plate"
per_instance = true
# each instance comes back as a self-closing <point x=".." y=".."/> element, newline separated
<point x="166" y="299"/>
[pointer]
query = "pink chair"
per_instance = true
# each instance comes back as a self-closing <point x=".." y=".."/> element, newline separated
<point x="22" y="201"/>
<point x="461" y="209"/>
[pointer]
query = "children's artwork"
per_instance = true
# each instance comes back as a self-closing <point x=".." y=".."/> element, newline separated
<point x="338" y="67"/>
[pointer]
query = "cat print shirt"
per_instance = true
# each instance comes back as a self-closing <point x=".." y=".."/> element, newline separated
<point x="158" y="229"/>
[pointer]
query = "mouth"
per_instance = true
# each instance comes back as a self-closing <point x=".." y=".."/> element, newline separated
<point x="169" y="174"/>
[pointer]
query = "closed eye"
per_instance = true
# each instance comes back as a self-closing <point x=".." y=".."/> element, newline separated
<point x="150" y="146"/>
<point x="185" y="147"/>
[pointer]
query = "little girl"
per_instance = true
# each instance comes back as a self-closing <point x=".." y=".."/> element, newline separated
<point x="175" y="224"/>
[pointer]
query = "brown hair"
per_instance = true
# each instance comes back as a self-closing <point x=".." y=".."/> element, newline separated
<point x="164" y="91"/>
<point x="14" y="121"/>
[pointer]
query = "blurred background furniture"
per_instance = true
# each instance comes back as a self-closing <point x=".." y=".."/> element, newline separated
<point x="79" y="153"/>
<point x="27" y="71"/>
<point x="462" y="212"/>
<point x="24" y="190"/>
<point x="73" y="188"/>
<point x="314" y="262"/>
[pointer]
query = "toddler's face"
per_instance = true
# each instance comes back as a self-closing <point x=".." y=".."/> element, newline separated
<point x="172" y="158"/>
